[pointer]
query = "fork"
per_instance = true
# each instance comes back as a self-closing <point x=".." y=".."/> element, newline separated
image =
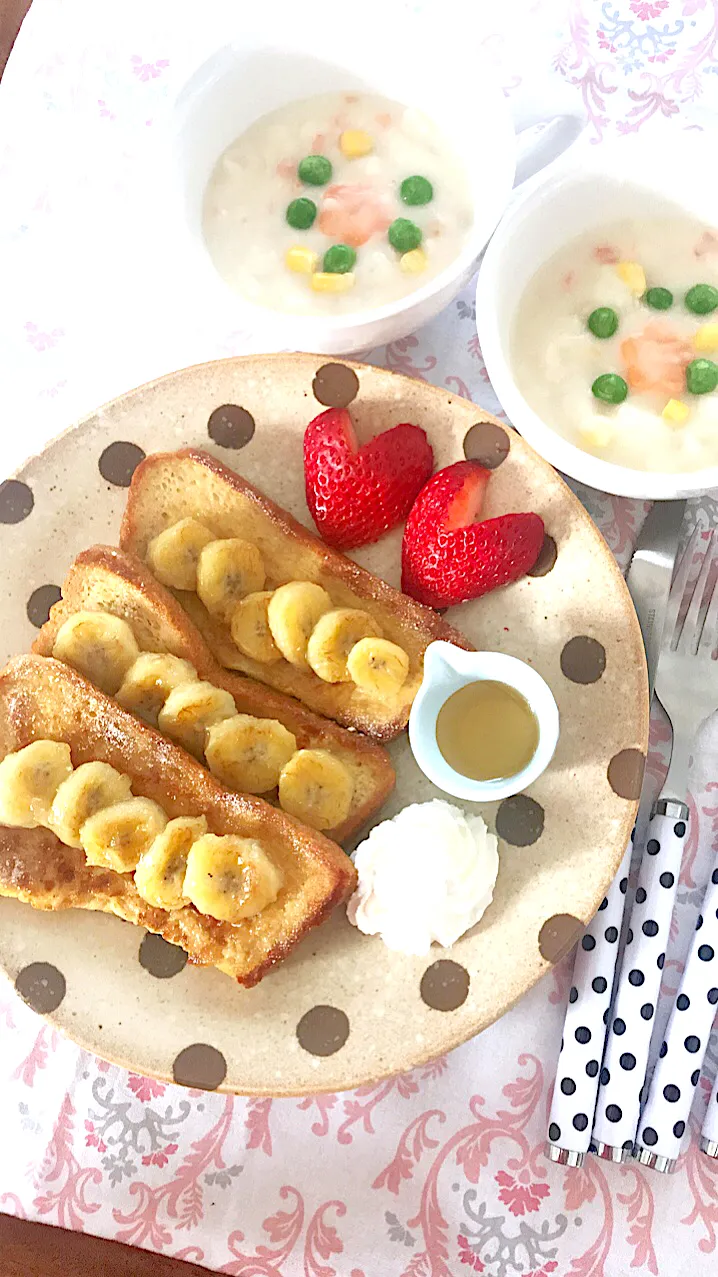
<point x="687" y="687"/>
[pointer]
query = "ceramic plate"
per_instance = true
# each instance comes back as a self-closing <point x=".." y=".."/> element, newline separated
<point x="342" y="1010"/>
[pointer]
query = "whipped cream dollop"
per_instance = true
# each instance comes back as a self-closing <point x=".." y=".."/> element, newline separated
<point x="426" y="875"/>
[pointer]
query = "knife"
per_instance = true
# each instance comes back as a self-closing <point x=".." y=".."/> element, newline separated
<point x="579" y="1062"/>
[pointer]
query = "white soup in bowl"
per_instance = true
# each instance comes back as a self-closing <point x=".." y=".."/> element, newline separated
<point x="338" y="203"/>
<point x="615" y="343"/>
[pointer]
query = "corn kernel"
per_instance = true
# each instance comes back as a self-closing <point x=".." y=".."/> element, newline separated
<point x="354" y="143"/>
<point x="324" y="282"/>
<point x="597" y="434"/>
<point x="676" y="412"/>
<point x="633" y="275"/>
<point x="706" y="338"/>
<point x="301" y="259"/>
<point x="413" y="262"/>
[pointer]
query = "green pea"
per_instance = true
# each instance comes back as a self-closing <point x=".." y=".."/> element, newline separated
<point x="702" y="299"/>
<point x="339" y="259"/>
<point x="603" y="321"/>
<point x="658" y="298"/>
<point x="315" y="170"/>
<point x="416" y="190"/>
<point x="301" y="213"/>
<point x="701" y="376"/>
<point x="404" y="235"/>
<point x="610" y="388"/>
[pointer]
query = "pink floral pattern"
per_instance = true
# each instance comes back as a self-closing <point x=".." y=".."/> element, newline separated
<point x="442" y="1171"/>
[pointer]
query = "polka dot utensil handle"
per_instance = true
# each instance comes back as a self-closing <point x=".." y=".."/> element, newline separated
<point x="665" y="1116"/>
<point x="584" y="1031"/>
<point x="629" y="1035"/>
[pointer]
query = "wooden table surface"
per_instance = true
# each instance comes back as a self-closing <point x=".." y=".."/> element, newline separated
<point x="35" y="1250"/>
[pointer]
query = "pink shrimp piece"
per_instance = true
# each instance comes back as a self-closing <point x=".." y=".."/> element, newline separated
<point x="606" y="254"/>
<point x="319" y="141"/>
<point x="286" y="168"/>
<point x="352" y="213"/>
<point x="656" y="359"/>
<point x="383" y="119"/>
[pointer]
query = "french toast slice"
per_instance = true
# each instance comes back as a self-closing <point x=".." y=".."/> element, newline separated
<point x="190" y="484"/>
<point x="103" y="579"/>
<point x="42" y="699"/>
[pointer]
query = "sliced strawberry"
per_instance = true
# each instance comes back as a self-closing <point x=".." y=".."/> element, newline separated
<point x="447" y="557"/>
<point x="356" y="494"/>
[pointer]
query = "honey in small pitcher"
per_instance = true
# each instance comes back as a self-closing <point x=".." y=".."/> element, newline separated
<point x="487" y="731"/>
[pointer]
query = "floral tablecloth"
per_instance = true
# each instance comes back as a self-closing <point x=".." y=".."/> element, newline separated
<point x="440" y="1172"/>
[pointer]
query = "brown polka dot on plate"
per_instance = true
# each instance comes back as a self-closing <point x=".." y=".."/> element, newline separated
<point x="42" y="986"/>
<point x="519" y="820"/>
<point x="558" y="935"/>
<point x="16" y="501"/>
<point x="335" y="385"/>
<point x="230" y="426"/>
<point x="487" y="443"/>
<point x="444" y="985"/>
<point x="119" y="462"/>
<point x="546" y="559"/>
<point x="625" y="773"/>
<point x="200" y="1066"/>
<point x="40" y="602"/>
<point x="323" y="1030"/>
<point x="161" y="958"/>
<point x="583" y="659"/>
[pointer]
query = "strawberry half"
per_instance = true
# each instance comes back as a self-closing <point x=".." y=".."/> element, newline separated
<point x="447" y="557"/>
<point x="356" y="494"/>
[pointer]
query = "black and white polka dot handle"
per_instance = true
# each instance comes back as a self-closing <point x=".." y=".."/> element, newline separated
<point x="709" y="1130"/>
<point x="678" y="1068"/>
<point x="629" y="1033"/>
<point x="584" y="1030"/>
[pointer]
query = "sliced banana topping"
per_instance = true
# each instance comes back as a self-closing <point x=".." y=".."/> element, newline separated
<point x="91" y="787"/>
<point x="227" y="572"/>
<point x="316" y="787"/>
<point x="293" y="612"/>
<point x="190" y="709"/>
<point x="333" y="638"/>
<point x="149" y="681"/>
<point x="247" y="754"/>
<point x="250" y="630"/>
<point x="159" y="877"/>
<point x="230" y="877"/>
<point x="117" y="836"/>
<point x="173" y="555"/>
<point x="99" y="646"/>
<point x="29" y="780"/>
<point x="378" y="666"/>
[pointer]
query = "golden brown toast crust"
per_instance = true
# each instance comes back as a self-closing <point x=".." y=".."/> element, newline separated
<point x="167" y="487"/>
<point x="109" y="580"/>
<point x="42" y="699"/>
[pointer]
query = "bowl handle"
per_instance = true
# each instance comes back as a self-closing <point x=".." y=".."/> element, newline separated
<point x="547" y="122"/>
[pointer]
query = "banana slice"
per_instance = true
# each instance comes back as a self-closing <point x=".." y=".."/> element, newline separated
<point x="316" y="788"/>
<point x="247" y="754"/>
<point x="91" y="787"/>
<point x="378" y="666"/>
<point x="149" y="681"/>
<point x="226" y="572"/>
<point x="98" y="645"/>
<point x="117" y="836"/>
<point x="230" y="878"/>
<point x="159" y="877"/>
<point x="190" y="709"/>
<point x="250" y="628"/>
<point x="333" y="638"/>
<point x="29" y="780"/>
<point x="173" y="555"/>
<point x="293" y="612"/>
